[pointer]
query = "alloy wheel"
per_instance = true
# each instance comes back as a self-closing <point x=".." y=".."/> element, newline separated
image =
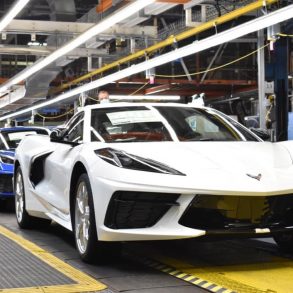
<point x="19" y="197"/>
<point x="82" y="217"/>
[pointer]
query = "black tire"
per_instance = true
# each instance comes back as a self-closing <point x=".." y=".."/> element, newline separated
<point x="284" y="241"/>
<point x="24" y="220"/>
<point x="94" y="251"/>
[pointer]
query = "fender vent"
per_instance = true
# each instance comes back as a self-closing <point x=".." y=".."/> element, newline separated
<point x="37" y="169"/>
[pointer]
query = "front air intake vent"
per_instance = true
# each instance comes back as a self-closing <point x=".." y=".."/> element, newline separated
<point x="129" y="209"/>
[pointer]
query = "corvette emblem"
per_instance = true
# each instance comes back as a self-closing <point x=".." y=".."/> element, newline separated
<point x="258" y="177"/>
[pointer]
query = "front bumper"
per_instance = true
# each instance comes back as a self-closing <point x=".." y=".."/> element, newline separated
<point x="132" y="219"/>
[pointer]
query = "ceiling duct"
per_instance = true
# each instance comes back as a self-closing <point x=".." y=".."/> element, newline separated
<point x="158" y="8"/>
<point x="135" y="19"/>
<point x="62" y="10"/>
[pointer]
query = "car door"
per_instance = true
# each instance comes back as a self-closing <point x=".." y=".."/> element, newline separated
<point x="58" y="167"/>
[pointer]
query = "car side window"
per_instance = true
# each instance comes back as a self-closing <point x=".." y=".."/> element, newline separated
<point x="74" y="132"/>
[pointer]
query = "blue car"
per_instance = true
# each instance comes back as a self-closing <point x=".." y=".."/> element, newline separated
<point x="9" y="139"/>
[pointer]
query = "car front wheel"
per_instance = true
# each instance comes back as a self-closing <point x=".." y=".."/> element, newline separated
<point x="85" y="231"/>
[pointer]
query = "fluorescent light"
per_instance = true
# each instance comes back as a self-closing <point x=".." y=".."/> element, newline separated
<point x="17" y="7"/>
<point x="161" y="98"/>
<point x="37" y="44"/>
<point x="226" y="36"/>
<point x="103" y="25"/>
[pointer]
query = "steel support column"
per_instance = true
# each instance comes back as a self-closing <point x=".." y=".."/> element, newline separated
<point x="281" y="88"/>
<point x="261" y="80"/>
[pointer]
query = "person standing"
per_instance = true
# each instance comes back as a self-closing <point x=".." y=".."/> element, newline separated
<point x="103" y="97"/>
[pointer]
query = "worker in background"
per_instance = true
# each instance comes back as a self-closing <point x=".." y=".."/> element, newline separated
<point x="103" y="97"/>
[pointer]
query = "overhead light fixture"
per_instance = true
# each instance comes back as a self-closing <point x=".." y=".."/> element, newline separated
<point x="161" y="98"/>
<point x="17" y="7"/>
<point x="198" y="46"/>
<point x="129" y="82"/>
<point x="103" y="25"/>
<point x="35" y="44"/>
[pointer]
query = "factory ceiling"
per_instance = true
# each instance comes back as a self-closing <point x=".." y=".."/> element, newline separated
<point x="43" y="26"/>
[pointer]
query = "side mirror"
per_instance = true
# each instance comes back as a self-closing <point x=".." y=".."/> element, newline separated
<point x="262" y="133"/>
<point x="56" y="134"/>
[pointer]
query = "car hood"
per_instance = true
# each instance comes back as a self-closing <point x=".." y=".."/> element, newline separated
<point x="214" y="155"/>
<point x="229" y="166"/>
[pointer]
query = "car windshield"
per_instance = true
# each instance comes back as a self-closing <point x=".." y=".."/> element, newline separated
<point x="13" y="138"/>
<point x="163" y="123"/>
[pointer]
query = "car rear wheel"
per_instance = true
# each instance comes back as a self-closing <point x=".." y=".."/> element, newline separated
<point x="89" y="248"/>
<point x="284" y="241"/>
<point x="24" y="220"/>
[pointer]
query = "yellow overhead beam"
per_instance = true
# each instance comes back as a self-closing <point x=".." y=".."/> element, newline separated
<point x="170" y="40"/>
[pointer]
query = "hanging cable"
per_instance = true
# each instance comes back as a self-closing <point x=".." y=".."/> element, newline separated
<point x="218" y="67"/>
<point x="93" y="99"/>
<point x="55" y="117"/>
<point x="142" y="87"/>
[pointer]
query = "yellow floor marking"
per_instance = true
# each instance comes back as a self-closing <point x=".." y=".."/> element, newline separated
<point x="215" y="289"/>
<point x="174" y="272"/>
<point x="84" y="282"/>
<point x="165" y="270"/>
<point x="273" y="276"/>
<point x="206" y="285"/>
<point x="189" y="278"/>
<point x="181" y="275"/>
<point x="196" y="282"/>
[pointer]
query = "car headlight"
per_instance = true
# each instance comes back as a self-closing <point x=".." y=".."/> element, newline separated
<point x="6" y="160"/>
<point x="124" y="160"/>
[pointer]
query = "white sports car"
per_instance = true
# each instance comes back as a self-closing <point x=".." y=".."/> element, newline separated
<point x="125" y="172"/>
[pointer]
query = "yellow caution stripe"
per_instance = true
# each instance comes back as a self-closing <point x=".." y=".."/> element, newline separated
<point x="192" y="279"/>
<point x="82" y="282"/>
